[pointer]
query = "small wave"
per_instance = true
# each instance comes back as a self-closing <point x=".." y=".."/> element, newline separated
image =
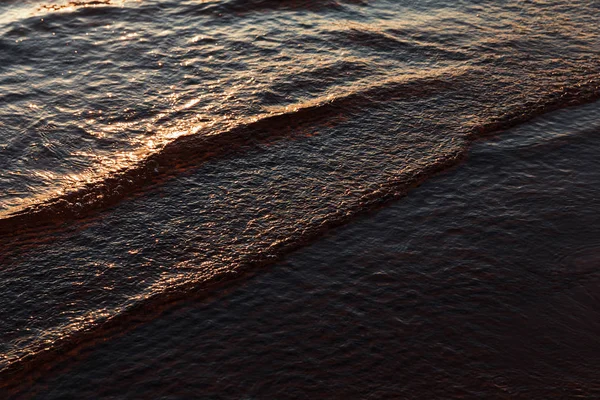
<point x="561" y="98"/>
<point x="317" y="81"/>
<point x="192" y="150"/>
<point x="74" y="4"/>
<point x="394" y="45"/>
<point x="247" y="6"/>
<point x="234" y="8"/>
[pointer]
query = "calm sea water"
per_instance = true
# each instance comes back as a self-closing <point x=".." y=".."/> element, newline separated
<point x="152" y="149"/>
<point x="482" y="283"/>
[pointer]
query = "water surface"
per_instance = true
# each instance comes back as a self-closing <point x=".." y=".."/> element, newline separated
<point x="150" y="149"/>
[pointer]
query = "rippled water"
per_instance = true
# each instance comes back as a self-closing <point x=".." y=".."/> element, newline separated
<point x="480" y="284"/>
<point x="150" y="149"/>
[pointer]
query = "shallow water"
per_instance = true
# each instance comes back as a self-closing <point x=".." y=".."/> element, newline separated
<point x="480" y="283"/>
<point x="151" y="149"/>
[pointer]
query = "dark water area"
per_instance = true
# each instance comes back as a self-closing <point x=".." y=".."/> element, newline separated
<point x="481" y="283"/>
<point x="153" y="152"/>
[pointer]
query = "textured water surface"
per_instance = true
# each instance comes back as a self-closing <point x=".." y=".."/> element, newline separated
<point x="150" y="149"/>
<point x="480" y="283"/>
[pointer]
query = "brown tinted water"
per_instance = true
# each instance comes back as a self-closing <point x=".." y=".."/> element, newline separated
<point x="151" y="149"/>
<point x="481" y="283"/>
